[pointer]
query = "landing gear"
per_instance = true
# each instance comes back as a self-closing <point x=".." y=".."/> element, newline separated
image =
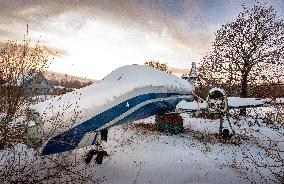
<point x="99" y="158"/>
<point x="102" y="135"/>
<point x="225" y="133"/>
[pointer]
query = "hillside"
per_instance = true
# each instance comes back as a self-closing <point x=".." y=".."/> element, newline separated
<point x="50" y="75"/>
<point x="67" y="81"/>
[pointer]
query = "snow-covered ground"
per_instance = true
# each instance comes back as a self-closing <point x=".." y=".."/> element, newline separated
<point x="138" y="153"/>
<point x="152" y="157"/>
<point x="143" y="155"/>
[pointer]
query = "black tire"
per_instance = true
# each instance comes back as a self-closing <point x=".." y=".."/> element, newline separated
<point x="89" y="156"/>
<point x="104" y="134"/>
<point x="226" y="134"/>
<point x="100" y="157"/>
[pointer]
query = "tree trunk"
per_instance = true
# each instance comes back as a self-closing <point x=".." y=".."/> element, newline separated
<point x="244" y="86"/>
<point x="244" y="92"/>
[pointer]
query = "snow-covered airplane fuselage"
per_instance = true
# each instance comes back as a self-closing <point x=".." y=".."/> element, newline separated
<point x="129" y="93"/>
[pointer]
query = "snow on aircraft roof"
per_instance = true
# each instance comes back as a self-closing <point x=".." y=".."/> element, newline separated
<point x="217" y="89"/>
<point x="120" y="81"/>
<point x="232" y="102"/>
<point x="238" y="101"/>
<point x="194" y="105"/>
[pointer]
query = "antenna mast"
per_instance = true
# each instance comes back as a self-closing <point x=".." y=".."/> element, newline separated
<point x="27" y="29"/>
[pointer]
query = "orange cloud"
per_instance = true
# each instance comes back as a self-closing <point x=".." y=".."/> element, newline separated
<point x="126" y="13"/>
<point x="179" y="71"/>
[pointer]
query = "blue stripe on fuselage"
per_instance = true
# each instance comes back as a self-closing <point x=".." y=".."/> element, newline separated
<point x="150" y="110"/>
<point x="70" y="139"/>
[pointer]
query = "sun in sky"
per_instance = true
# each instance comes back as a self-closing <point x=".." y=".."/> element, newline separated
<point x="91" y="38"/>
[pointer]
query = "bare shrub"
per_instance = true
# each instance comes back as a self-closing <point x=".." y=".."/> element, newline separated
<point x="269" y="159"/>
<point x="19" y="63"/>
<point x="23" y="165"/>
<point x="158" y="65"/>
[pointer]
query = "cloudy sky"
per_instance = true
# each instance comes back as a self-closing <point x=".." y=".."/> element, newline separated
<point x="93" y="37"/>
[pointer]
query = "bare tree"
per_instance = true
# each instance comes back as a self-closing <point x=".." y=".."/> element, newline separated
<point x="247" y="51"/>
<point x="158" y="65"/>
<point x="19" y="63"/>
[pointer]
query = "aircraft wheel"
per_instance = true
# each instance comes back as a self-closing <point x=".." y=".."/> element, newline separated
<point x="104" y="134"/>
<point x="89" y="156"/>
<point x="226" y="134"/>
<point x="100" y="156"/>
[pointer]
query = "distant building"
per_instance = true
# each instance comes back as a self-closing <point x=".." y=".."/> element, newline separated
<point x="192" y="75"/>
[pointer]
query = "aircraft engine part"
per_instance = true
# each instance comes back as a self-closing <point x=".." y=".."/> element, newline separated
<point x="217" y="101"/>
